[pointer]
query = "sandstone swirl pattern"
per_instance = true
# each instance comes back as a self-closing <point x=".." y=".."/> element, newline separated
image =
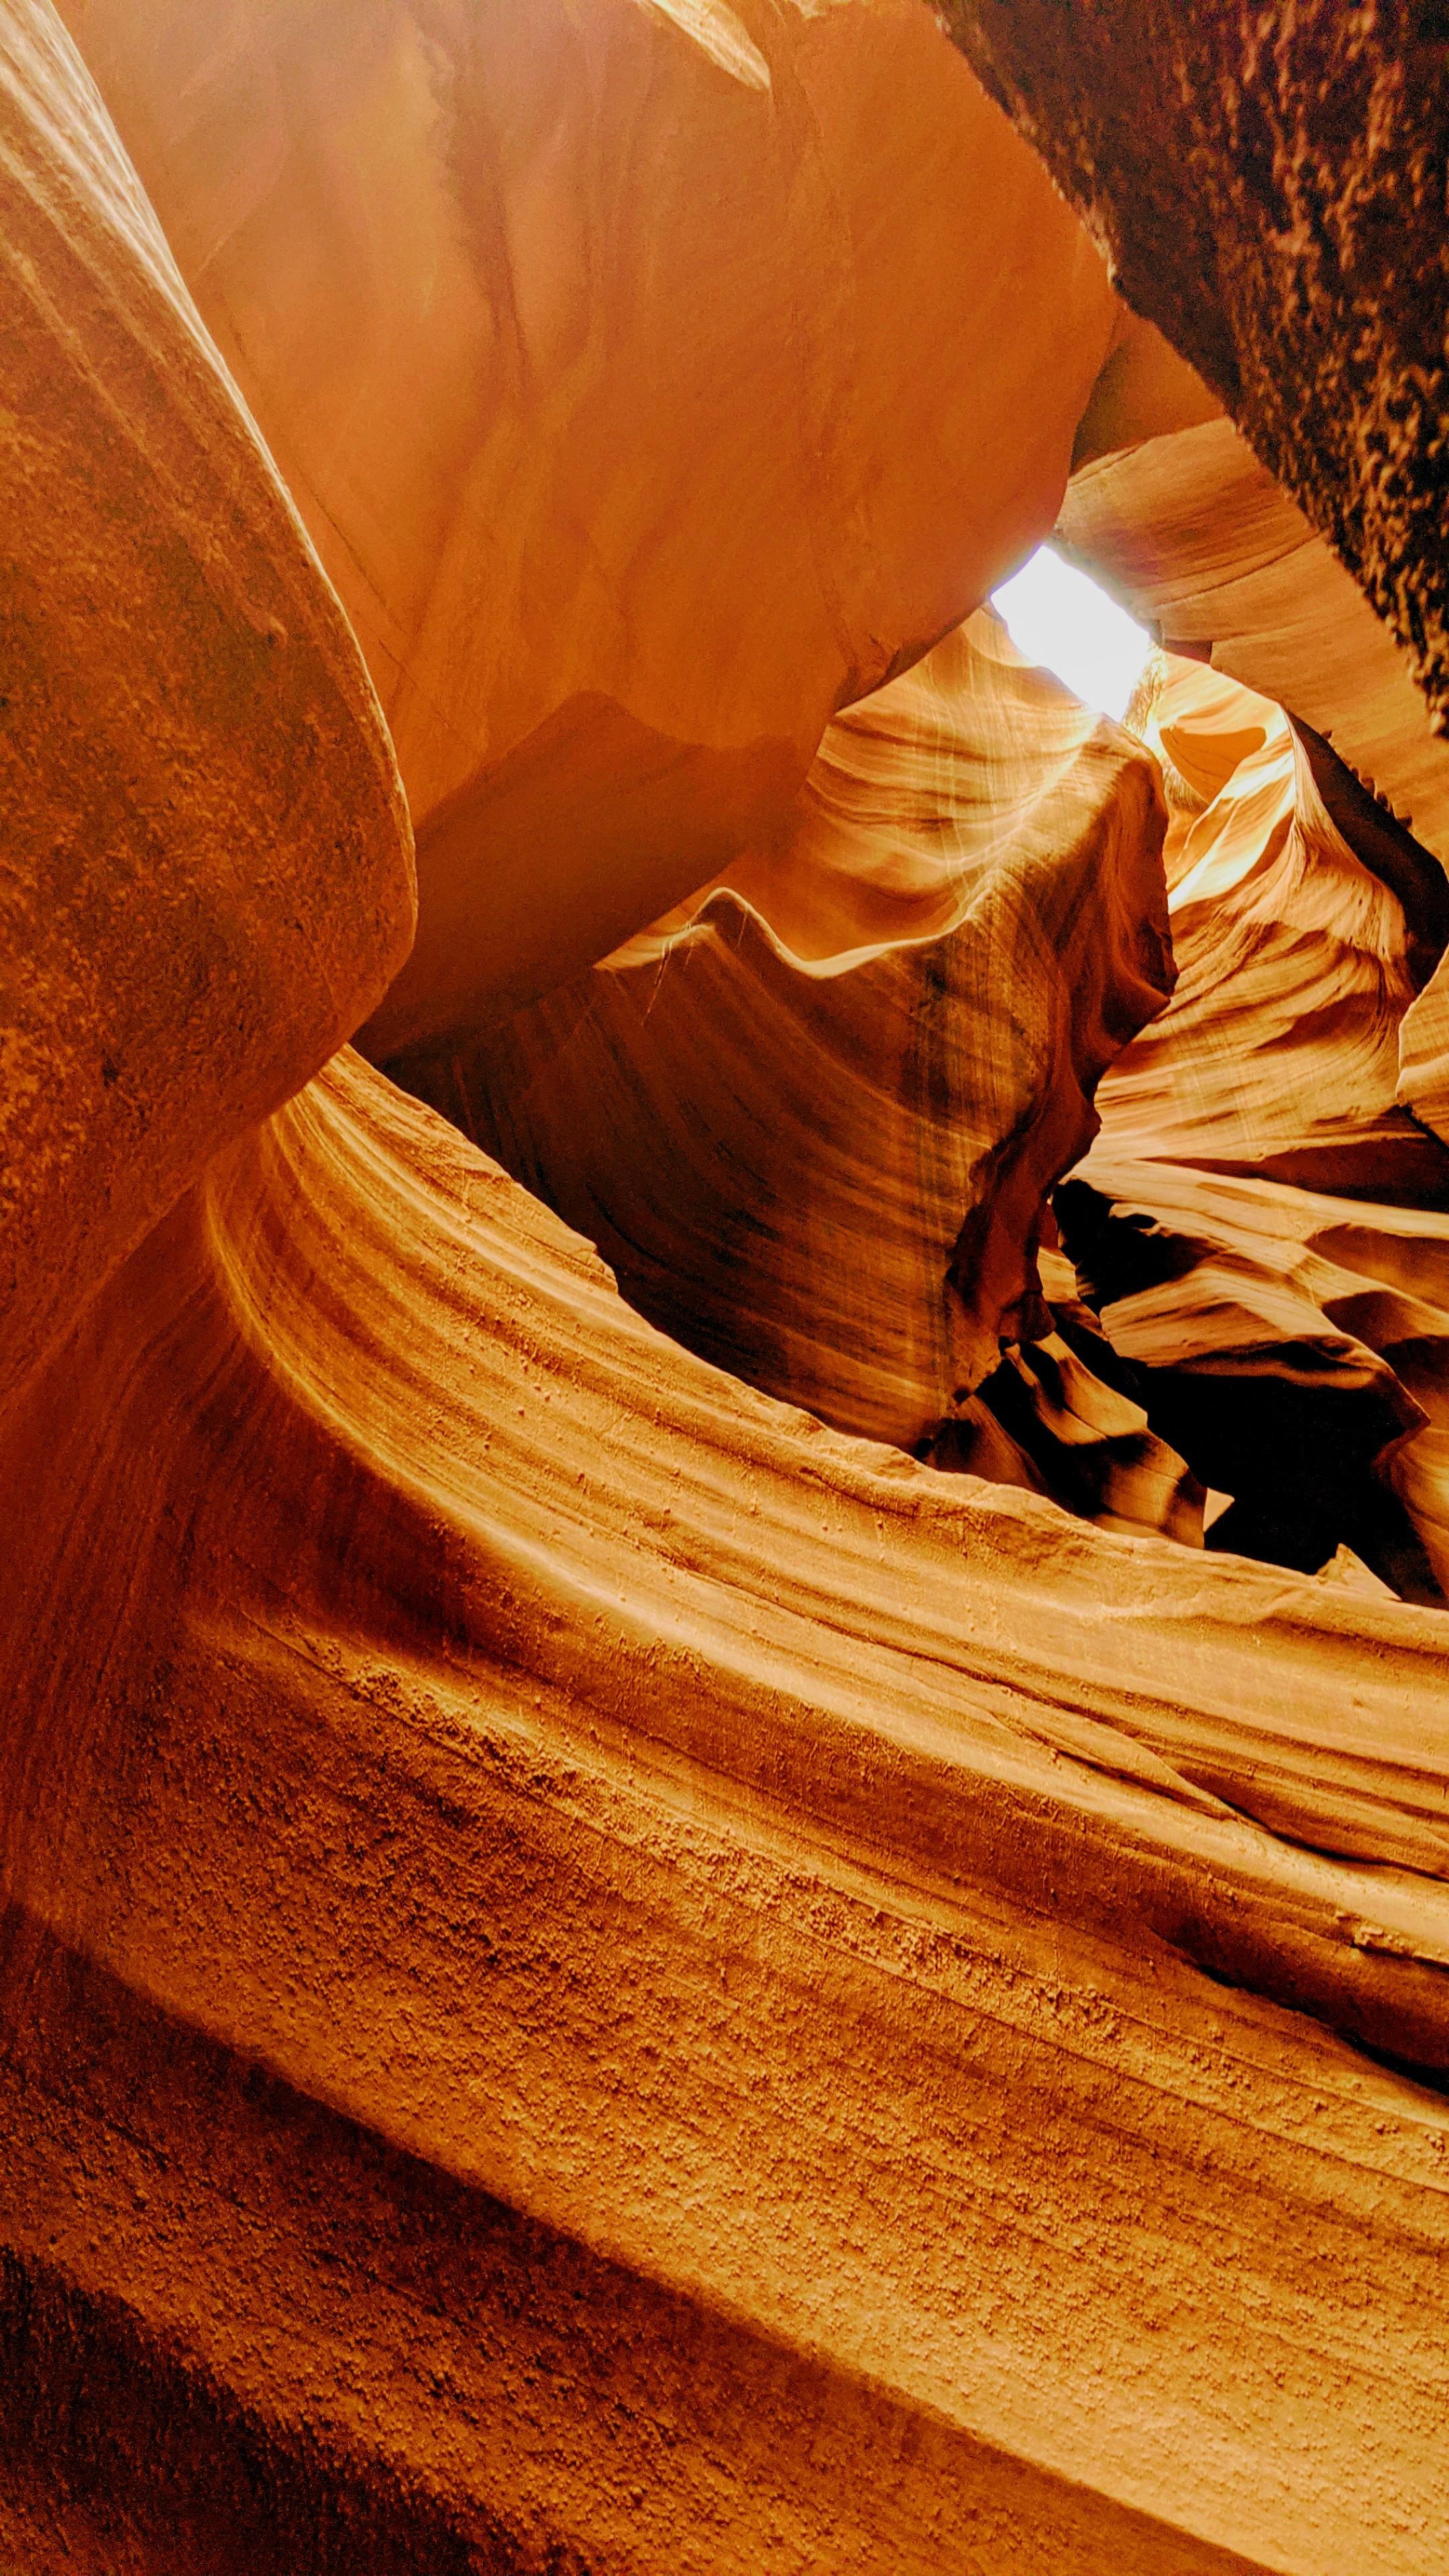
<point x="812" y="1118"/>
<point x="1197" y="537"/>
<point x="597" y="1975"/>
<point x="594" y="1967"/>
<point x="1272" y="1150"/>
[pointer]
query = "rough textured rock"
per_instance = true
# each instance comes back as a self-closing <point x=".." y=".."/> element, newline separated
<point x="1269" y="186"/>
<point x="795" y="1117"/>
<point x="595" y="370"/>
<point x="601" y="1976"/>
<point x="1192" y="533"/>
<point x="206" y="877"/>
<point x="1267" y="1237"/>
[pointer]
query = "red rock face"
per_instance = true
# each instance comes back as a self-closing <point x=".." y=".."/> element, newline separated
<point x="207" y="871"/>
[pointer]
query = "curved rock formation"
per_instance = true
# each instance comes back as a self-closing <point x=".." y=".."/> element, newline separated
<point x="1202" y="545"/>
<point x="1304" y="967"/>
<point x="207" y="875"/>
<point x="595" y="1975"/>
<point x="610" y="1978"/>
<point x="595" y="371"/>
<point x="1269" y="1199"/>
<point x="1277" y="1055"/>
<point x="796" y="1118"/>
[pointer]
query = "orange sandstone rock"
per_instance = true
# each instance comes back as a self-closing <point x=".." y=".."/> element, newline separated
<point x="1198" y="539"/>
<point x="1271" y="1202"/>
<point x="811" y="1118"/>
<point x="645" y="405"/>
<point x="206" y="879"/>
<point x="596" y="1972"/>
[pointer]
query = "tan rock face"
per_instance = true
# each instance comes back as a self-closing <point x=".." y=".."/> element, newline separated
<point x="1192" y="532"/>
<point x="1263" y="1128"/>
<point x="1257" y="1204"/>
<point x="206" y="876"/>
<point x="1277" y="1056"/>
<point x="595" y="369"/>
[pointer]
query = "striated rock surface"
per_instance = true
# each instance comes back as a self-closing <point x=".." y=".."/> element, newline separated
<point x="1270" y="1201"/>
<point x="596" y="1976"/>
<point x="1202" y="544"/>
<point x="1262" y="1128"/>
<point x="600" y="1976"/>
<point x="1277" y="1055"/>
<point x="811" y="1120"/>
<point x="206" y="879"/>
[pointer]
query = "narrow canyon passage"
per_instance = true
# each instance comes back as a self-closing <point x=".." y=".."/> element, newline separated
<point x="724" y="1325"/>
<point x="821" y="1118"/>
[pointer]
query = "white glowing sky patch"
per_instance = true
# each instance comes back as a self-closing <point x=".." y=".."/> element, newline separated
<point x="1057" y="617"/>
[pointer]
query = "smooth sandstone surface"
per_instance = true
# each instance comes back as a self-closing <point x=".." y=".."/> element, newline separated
<point x="1277" y="1053"/>
<point x="1196" y="537"/>
<point x="206" y="877"/>
<point x="1263" y="1225"/>
<point x="591" y="355"/>
<point x="596" y="1976"/>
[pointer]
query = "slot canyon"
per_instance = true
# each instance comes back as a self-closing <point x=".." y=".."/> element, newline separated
<point x="724" y="1322"/>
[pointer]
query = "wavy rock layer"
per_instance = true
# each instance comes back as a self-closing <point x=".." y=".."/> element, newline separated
<point x="601" y="1976"/>
<point x="1202" y="544"/>
<point x="1269" y="1199"/>
<point x="596" y="372"/>
<point x="206" y="877"/>
<point x="796" y="1118"/>
<point x="596" y="1976"/>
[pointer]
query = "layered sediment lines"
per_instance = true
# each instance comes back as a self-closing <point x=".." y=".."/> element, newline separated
<point x="772" y="1876"/>
<point x="812" y="1118"/>
<point x="1271" y="1193"/>
<point x="1195" y="536"/>
<point x="595" y="1974"/>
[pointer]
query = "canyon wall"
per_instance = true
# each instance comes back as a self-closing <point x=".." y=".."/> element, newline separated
<point x="598" y="1975"/>
<point x="590" y="364"/>
<point x="795" y="1117"/>
<point x="207" y="872"/>
<point x="1269" y="188"/>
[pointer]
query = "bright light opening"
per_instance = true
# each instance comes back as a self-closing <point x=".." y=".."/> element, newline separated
<point x="1057" y="617"/>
